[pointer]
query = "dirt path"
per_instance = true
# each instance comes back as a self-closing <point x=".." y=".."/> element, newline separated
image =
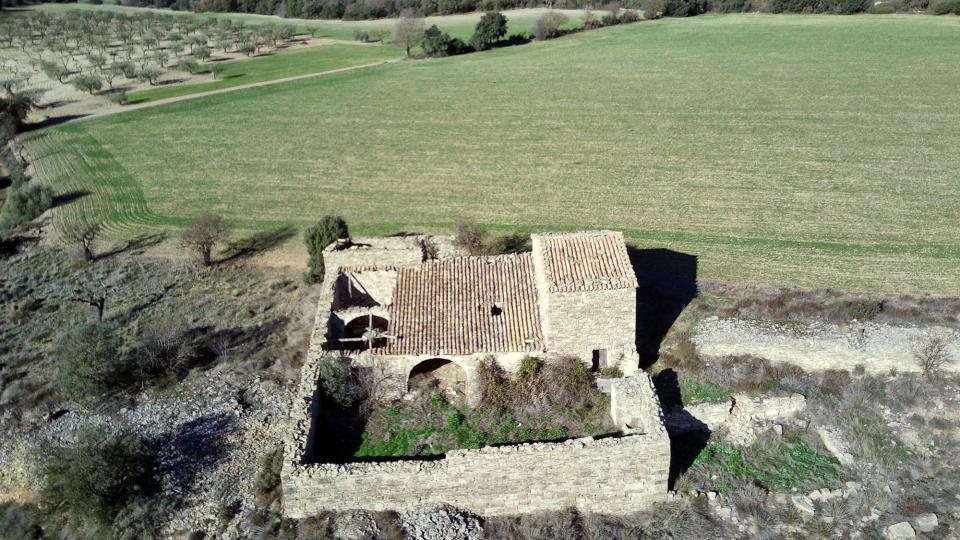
<point x="879" y="348"/>
<point x="125" y="108"/>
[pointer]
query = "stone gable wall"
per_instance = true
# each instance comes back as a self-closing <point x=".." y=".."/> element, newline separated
<point x="579" y="322"/>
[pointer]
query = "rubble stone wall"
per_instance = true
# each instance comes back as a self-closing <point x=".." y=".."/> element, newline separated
<point x="611" y="476"/>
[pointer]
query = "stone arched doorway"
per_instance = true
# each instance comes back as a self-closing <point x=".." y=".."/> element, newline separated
<point x="356" y="333"/>
<point x="441" y="375"/>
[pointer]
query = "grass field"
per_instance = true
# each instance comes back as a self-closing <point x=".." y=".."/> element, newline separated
<point x="278" y="66"/>
<point x="460" y="25"/>
<point x="795" y="150"/>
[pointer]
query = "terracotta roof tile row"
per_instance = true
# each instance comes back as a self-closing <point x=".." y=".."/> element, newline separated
<point x="465" y="305"/>
<point x="586" y="261"/>
<point x="357" y="269"/>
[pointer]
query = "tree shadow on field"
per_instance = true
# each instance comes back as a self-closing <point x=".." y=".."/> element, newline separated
<point x="135" y="244"/>
<point x="192" y="449"/>
<point x="69" y="197"/>
<point x="52" y="121"/>
<point x="168" y="82"/>
<point x="256" y="243"/>
<point x="667" y="282"/>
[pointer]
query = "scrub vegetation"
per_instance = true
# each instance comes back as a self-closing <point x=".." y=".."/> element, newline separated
<point x="541" y="402"/>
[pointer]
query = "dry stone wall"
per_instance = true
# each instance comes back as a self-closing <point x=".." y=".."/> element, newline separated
<point x="611" y="476"/>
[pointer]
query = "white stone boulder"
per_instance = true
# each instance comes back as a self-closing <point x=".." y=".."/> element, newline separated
<point x="900" y="531"/>
<point x="803" y="504"/>
<point x="926" y="522"/>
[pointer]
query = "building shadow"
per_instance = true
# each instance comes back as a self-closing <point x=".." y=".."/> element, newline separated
<point x="667" y="282"/>
<point x="688" y="435"/>
<point x="336" y="432"/>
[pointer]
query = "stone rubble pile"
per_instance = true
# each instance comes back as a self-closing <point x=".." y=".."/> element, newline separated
<point x="441" y="522"/>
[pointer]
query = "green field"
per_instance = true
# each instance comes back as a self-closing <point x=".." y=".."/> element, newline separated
<point x="460" y="25"/>
<point x="794" y="150"/>
<point x="278" y="66"/>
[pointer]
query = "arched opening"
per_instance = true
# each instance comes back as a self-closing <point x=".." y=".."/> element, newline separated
<point x="358" y="332"/>
<point x="441" y="375"/>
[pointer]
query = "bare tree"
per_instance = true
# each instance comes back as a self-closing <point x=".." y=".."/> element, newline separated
<point x="409" y="30"/>
<point x="203" y="234"/>
<point x="83" y="238"/>
<point x="932" y="355"/>
<point x="93" y="293"/>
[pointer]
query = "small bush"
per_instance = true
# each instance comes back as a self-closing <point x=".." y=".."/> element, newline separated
<point x="167" y="349"/>
<point x="857" y="310"/>
<point x="120" y="98"/>
<point x="361" y="36"/>
<point x="610" y="19"/>
<point x="548" y="25"/>
<point x="268" y="477"/>
<point x="945" y="7"/>
<point x="25" y="204"/>
<point x="335" y="380"/>
<point x="470" y="236"/>
<point x="89" y="363"/>
<point x="610" y="373"/>
<point x="529" y="367"/>
<point x="590" y="20"/>
<point x="95" y="479"/>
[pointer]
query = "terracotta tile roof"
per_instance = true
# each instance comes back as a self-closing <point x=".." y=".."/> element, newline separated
<point x="359" y="269"/>
<point x="586" y="261"/>
<point x="446" y="307"/>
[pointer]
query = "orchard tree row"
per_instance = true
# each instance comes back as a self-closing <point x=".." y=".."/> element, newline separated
<point x="98" y="50"/>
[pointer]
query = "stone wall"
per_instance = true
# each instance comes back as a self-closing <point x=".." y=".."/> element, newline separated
<point x="611" y="476"/>
<point x="398" y="368"/>
<point x="634" y="405"/>
<point x="577" y="323"/>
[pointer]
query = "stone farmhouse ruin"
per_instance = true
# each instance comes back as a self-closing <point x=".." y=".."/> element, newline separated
<point x="410" y="319"/>
<point x="574" y="295"/>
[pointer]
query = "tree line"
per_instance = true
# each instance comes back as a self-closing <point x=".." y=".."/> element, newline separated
<point x="375" y="9"/>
